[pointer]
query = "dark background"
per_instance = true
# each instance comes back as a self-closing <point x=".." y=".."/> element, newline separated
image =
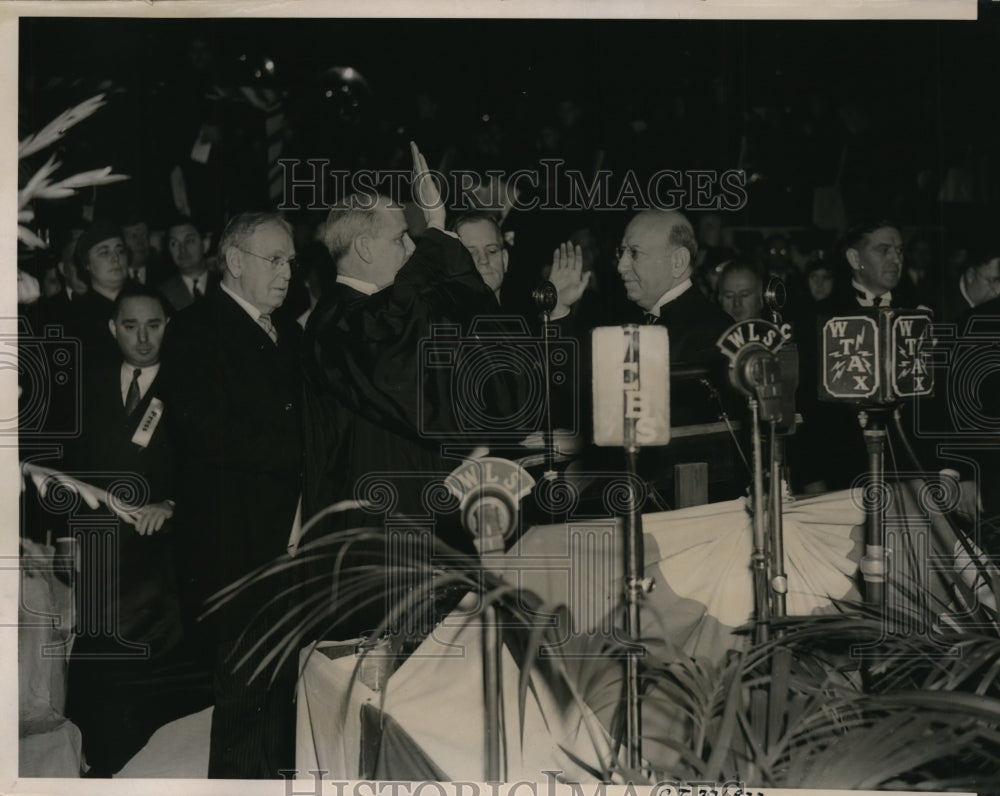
<point x="908" y="100"/>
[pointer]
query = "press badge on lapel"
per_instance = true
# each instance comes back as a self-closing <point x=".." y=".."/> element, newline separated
<point x="148" y="424"/>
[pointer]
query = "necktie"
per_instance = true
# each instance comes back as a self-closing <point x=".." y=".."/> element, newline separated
<point x="650" y="320"/>
<point x="267" y="326"/>
<point x="877" y="301"/>
<point x="132" y="397"/>
<point x="194" y="290"/>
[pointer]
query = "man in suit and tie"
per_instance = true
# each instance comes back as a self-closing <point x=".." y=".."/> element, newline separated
<point x="188" y="247"/>
<point x="655" y="263"/>
<point x="873" y="250"/>
<point x="233" y="395"/>
<point x="145" y="265"/>
<point x="130" y="677"/>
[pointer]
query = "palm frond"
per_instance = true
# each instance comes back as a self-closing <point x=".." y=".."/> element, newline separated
<point x="58" y="127"/>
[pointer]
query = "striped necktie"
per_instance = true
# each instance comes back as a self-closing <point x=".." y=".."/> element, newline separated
<point x="133" y="396"/>
<point x="268" y="326"/>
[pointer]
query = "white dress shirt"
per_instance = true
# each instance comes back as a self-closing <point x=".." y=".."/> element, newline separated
<point x="358" y="284"/>
<point x="146" y="377"/>
<point x="670" y="295"/>
<point x="201" y="281"/>
<point x="867" y="299"/>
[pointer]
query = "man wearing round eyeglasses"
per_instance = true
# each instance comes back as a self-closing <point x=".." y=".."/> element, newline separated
<point x="230" y="366"/>
<point x="655" y="263"/>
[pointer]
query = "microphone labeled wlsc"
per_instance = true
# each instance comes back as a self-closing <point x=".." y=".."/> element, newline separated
<point x="764" y="365"/>
<point x="631" y="367"/>
<point x="876" y="357"/>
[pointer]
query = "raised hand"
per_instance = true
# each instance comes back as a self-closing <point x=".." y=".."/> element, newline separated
<point x="567" y="276"/>
<point x="425" y="190"/>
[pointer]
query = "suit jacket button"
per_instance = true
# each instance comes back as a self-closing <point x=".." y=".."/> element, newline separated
<point x="288" y="407"/>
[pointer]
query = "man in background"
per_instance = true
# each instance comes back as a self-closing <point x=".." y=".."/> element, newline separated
<point x="188" y="247"/>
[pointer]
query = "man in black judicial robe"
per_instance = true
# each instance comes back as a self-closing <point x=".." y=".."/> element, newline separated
<point x="233" y="391"/>
<point x="378" y="401"/>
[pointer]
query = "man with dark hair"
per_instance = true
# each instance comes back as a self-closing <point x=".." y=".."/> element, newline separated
<point x="188" y="247"/>
<point x="655" y="263"/>
<point x="874" y="252"/>
<point x="832" y="442"/>
<point x="145" y="264"/>
<point x="132" y="676"/>
<point x="233" y="395"/>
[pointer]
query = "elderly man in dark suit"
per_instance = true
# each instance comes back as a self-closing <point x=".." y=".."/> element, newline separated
<point x="131" y="677"/>
<point x="655" y="262"/>
<point x="233" y="392"/>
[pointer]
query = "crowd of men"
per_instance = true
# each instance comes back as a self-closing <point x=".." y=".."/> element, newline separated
<point x="248" y="394"/>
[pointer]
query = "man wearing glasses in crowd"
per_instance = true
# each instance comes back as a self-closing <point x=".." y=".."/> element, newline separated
<point x="231" y="373"/>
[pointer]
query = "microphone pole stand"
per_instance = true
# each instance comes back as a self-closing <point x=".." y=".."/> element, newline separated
<point x="779" y="580"/>
<point x="758" y="558"/>
<point x="489" y="527"/>
<point x="636" y="585"/>
<point x="873" y="563"/>
<point x="545" y="297"/>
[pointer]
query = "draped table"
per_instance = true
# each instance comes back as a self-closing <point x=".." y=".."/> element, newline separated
<point x="427" y="721"/>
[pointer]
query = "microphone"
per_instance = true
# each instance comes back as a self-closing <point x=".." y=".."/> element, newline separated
<point x="631" y="366"/>
<point x="760" y="367"/>
<point x="545" y="297"/>
<point x="489" y="491"/>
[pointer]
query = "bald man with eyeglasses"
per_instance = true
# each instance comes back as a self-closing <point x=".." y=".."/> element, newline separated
<point x="655" y="262"/>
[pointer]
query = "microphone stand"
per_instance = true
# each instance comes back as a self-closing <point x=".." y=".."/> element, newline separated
<point x="488" y="525"/>
<point x="779" y="580"/>
<point x="758" y="558"/>
<point x="545" y="297"/>
<point x="635" y="586"/>
<point x="873" y="563"/>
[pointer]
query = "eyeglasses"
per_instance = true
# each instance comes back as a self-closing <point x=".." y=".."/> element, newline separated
<point x="276" y="261"/>
<point x="632" y="252"/>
